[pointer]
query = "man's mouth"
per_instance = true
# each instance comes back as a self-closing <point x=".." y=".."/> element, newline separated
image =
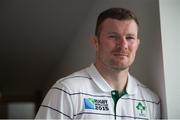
<point x="120" y="54"/>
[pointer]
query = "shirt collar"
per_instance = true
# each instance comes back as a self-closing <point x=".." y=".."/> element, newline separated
<point x="131" y="87"/>
<point x="98" y="79"/>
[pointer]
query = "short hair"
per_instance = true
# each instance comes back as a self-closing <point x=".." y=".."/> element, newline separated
<point x="114" y="13"/>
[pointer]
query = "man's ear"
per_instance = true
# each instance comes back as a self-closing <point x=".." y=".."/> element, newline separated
<point x="95" y="42"/>
<point x="138" y="42"/>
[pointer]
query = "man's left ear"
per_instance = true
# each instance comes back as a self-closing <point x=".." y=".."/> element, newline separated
<point x="94" y="42"/>
<point x="138" y="42"/>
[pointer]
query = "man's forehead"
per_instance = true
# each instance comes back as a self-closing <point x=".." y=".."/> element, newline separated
<point x="119" y="23"/>
<point x="116" y="33"/>
<point x="117" y="20"/>
<point x="113" y="25"/>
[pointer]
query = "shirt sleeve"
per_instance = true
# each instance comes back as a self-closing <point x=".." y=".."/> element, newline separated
<point x="57" y="104"/>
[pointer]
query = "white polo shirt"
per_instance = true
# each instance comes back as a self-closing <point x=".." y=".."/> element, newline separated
<point x="86" y="95"/>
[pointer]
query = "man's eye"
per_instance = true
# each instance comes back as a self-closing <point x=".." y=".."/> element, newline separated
<point x="130" y="38"/>
<point x="112" y="36"/>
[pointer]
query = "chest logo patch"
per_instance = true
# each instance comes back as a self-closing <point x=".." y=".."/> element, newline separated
<point x="96" y="104"/>
<point x="141" y="109"/>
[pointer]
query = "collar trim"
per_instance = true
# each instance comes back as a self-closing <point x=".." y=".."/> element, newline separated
<point x="131" y="87"/>
<point x="98" y="79"/>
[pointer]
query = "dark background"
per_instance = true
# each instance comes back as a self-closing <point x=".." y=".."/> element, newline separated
<point x="33" y="36"/>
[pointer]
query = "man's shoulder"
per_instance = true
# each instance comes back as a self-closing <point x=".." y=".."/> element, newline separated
<point x="74" y="80"/>
<point x="147" y="93"/>
<point x="78" y="76"/>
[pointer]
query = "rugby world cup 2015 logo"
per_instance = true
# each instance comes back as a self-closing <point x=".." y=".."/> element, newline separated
<point x="96" y="104"/>
<point x="89" y="103"/>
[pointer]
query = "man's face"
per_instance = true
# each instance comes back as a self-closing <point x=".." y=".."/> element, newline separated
<point x="117" y="44"/>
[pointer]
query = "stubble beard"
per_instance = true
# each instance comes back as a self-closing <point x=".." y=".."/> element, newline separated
<point x="118" y="67"/>
<point x="114" y="66"/>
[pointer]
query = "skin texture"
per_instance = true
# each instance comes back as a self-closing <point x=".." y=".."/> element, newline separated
<point x="116" y="48"/>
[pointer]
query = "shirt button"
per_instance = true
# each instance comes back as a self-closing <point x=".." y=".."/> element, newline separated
<point x="113" y="93"/>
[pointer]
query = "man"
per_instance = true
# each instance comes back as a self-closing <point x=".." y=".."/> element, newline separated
<point x="105" y="90"/>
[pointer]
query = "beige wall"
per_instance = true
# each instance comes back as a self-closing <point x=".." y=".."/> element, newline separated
<point x="170" y="30"/>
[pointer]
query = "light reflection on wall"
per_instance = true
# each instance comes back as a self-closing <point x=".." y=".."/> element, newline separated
<point x="21" y="110"/>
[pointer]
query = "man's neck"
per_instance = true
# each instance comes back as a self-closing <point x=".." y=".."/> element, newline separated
<point x="116" y="79"/>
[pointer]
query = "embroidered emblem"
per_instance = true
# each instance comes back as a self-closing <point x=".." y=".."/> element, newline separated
<point x="141" y="109"/>
<point x="96" y="104"/>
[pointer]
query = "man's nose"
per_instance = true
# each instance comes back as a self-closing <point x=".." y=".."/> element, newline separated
<point x="122" y="43"/>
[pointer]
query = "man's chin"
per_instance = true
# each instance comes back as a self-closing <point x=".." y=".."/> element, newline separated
<point x="120" y="67"/>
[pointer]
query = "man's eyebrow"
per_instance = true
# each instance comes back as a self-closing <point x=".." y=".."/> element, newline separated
<point x="131" y="34"/>
<point x="113" y="33"/>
